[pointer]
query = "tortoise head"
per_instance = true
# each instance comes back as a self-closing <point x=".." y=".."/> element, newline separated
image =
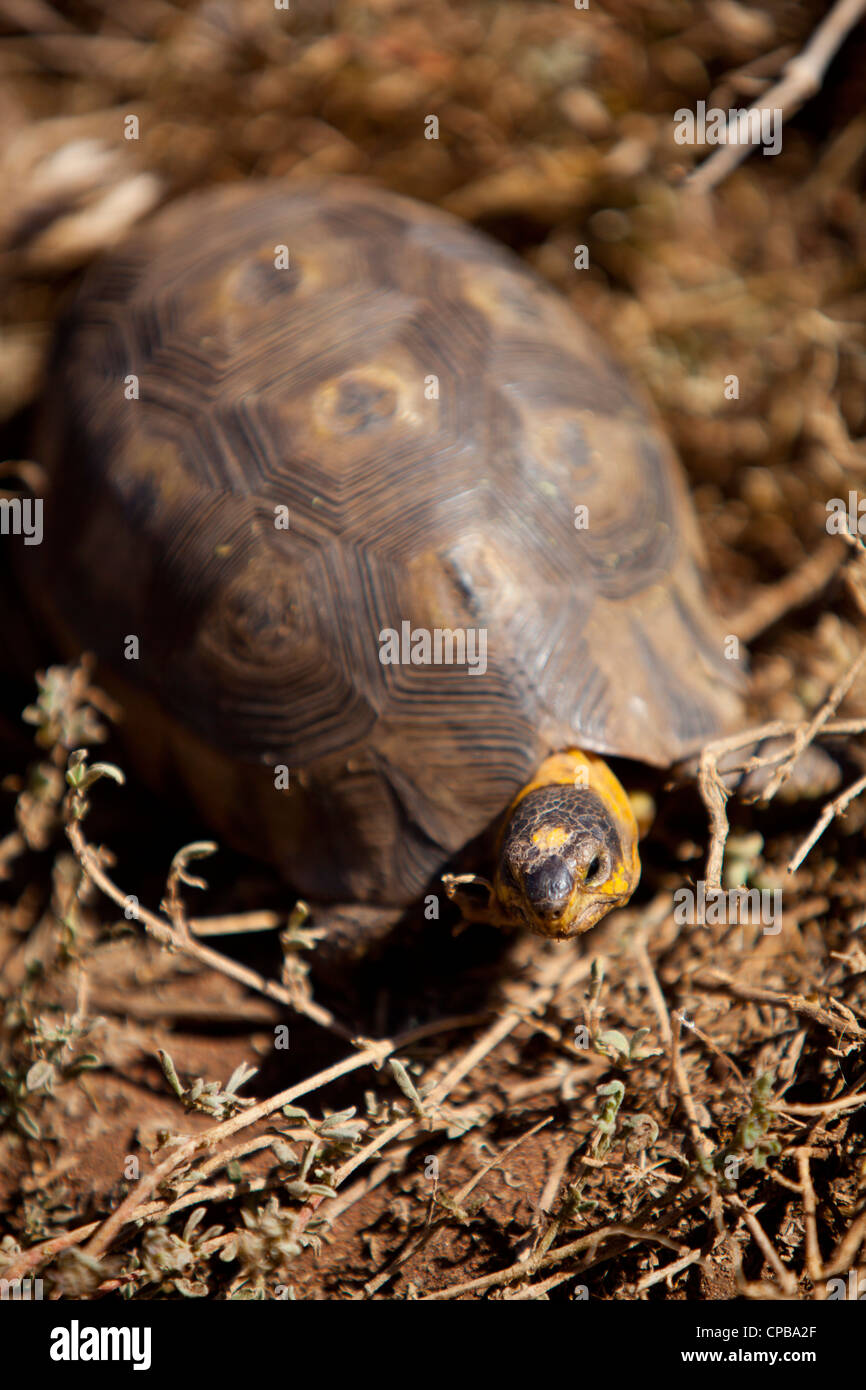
<point x="567" y="852"/>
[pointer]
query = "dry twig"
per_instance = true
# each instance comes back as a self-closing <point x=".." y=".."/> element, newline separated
<point x="802" y="78"/>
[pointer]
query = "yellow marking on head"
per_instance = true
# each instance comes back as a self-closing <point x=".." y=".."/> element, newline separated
<point x="553" y="837"/>
<point x="587" y="904"/>
<point x="574" y="768"/>
<point x="620" y="881"/>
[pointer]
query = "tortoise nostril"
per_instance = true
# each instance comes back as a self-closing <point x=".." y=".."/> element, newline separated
<point x="550" y="884"/>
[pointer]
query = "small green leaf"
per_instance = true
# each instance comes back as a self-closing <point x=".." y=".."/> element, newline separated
<point x="86" y="1062"/>
<point x="193" y="1220"/>
<point x="41" y="1076"/>
<point x="615" y="1040"/>
<point x="27" y="1123"/>
<point x="169" y="1072"/>
<point x="283" y="1153"/>
<point x="239" y="1077"/>
<point x="98" y="770"/>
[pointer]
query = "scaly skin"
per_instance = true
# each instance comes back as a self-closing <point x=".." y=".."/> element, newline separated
<point x="567" y="852"/>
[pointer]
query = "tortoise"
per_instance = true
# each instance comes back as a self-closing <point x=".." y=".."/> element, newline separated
<point x="383" y="548"/>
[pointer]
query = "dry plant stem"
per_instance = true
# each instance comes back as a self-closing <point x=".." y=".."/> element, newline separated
<point x="188" y="1195"/>
<point x="715" y="797"/>
<point x="469" y="1186"/>
<point x="753" y="76"/>
<point x="814" y="1265"/>
<point x="590" y="1241"/>
<point x="800" y="586"/>
<point x="252" y="1009"/>
<point x="654" y="989"/>
<point x="369" y="1183"/>
<point x="761" y="1239"/>
<point x="794" y="1003"/>
<point x="543" y="1254"/>
<point x="31" y="1259"/>
<point x="713" y="792"/>
<point x="530" y="1292"/>
<point x="560" y="1163"/>
<point x="152" y="1211"/>
<point x="837" y="807"/>
<point x="785" y="1182"/>
<point x="220" y="1161"/>
<point x="843" y="1257"/>
<point x="668" y="1271"/>
<point x="421" y="1239"/>
<point x="701" y="1144"/>
<point x="565" y="969"/>
<point x="136" y="1209"/>
<point x="107" y="1230"/>
<point x="802" y="78"/>
<point x="182" y="940"/>
<point x="720" y="1055"/>
<point x="827" y="1107"/>
<point x="807" y="732"/>
<point x="780" y="728"/>
<point x="490" y="1040"/>
<point x="375" y="1055"/>
<point x="766" y="1293"/>
<point x="236" y="923"/>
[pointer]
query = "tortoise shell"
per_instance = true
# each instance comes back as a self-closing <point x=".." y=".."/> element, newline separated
<point x="285" y="421"/>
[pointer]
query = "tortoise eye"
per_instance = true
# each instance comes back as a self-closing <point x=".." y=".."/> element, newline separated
<point x="597" y="870"/>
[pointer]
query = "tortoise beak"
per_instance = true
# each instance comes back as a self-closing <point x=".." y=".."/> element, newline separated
<point x="578" y="915"/>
